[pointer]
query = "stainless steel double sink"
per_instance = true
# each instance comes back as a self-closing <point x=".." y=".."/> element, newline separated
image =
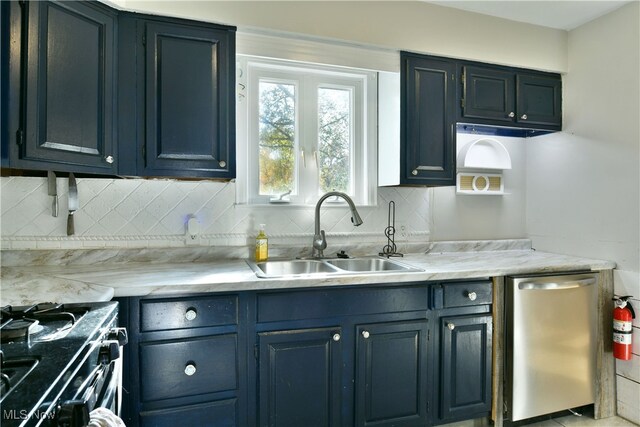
<point x="327" y="267"/>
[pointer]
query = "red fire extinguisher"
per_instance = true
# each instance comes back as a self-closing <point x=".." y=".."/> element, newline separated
<point x="623" y="316"/>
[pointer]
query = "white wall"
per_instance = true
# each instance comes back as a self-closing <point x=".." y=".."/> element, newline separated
<point x="583" y="183"/>
<point x="138" y="213"/>
<point x="409" y="25"/>
<point x="480" y="217"/>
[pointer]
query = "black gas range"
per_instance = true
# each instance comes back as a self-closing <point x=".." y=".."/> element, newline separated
<point x="59" y="362"/>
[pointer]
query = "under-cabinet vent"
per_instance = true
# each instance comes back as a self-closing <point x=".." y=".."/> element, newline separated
<point x="479" y="183"/>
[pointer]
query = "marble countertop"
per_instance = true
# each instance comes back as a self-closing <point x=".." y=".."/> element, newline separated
<point x="101" y="282"/>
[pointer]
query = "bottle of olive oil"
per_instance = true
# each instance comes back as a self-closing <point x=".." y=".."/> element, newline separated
<point x="262" y="245"/>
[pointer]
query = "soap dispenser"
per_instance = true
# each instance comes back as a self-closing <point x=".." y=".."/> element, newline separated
<point x="262" y="245"/>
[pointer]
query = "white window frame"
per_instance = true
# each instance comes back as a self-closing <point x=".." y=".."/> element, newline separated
<point x="307" y="78"/>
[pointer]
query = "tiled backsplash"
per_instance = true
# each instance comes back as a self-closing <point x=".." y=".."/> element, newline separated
<point x="138" y="213"/>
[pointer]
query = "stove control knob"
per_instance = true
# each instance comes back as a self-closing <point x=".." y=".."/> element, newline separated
<point x="109" y="352"/>
<point x="120" y="335"/>
<point x="73" y="413"/>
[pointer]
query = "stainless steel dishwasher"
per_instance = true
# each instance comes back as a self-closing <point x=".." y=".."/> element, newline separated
<point x="550" y="343"/>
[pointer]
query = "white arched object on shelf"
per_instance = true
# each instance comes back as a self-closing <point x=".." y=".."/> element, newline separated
<point x="484" y="153"/>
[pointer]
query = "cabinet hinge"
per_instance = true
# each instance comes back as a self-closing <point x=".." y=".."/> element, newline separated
<point x="428" y="334"/>
<point x="462" y="102"/>
<point x="20" y="137"/>
<point x="255" y="351"/>
<point x="144" y="40"/>
<point x="22" y="3"/>
<point x="427" y="407"/>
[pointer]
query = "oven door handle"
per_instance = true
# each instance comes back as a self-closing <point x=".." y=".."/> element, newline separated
<point x="91" y="394"/>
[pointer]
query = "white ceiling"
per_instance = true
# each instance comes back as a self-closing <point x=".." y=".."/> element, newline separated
<point x="564" y="14"/>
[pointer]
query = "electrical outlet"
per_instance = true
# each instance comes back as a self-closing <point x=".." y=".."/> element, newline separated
<point x="192" y="231"/>
<point x="402" y="231"/>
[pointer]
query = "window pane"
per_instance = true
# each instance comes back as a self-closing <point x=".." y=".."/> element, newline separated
<point x="277" y="137"/>
<point x="334" y="139"/>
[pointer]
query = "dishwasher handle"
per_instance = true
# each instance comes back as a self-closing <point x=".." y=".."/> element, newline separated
<point x="557" y="285"/>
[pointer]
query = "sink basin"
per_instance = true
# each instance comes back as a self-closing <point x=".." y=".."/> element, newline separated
<point x="368" y="265"/>
<point x="291" y="268"/>
<point x="329" y="267"/>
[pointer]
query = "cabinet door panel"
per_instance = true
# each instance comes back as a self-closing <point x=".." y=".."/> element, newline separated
<point x="189" y="101"/>
<point x="391" y="374"/>
<point x="539" y="100"/>
<point x="488" y="94"/>
<point x="299" y="375"/>
<point x="427" y="121"/>
<point x="69" y="95"/>
<point x="466" y="365"/>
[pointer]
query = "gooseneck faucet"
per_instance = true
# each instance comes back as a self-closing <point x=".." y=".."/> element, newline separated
<point x="319" y="239"/>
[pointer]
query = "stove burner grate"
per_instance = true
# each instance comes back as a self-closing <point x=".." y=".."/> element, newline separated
<point x="23" y="323"/>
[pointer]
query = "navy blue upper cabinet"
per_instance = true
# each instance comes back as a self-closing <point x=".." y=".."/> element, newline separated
<point x="181" y="78"/>
<point x="427" y="120"/>
<point x="62" y="87"/>
<point x="539" y="100"/>
<point x="504" y="96"/>
<point x="488" y="94"/>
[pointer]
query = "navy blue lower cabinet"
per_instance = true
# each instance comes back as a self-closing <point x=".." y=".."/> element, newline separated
<point x="391" y="374"/>
<point x="466" y="365"/>
<point x="299" y="377"/>
<point x="214" y="414"/>
<point x="185" y="363"/>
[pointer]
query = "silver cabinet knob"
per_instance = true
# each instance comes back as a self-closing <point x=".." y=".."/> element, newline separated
<point x="523" y="117"/>
<point x="451" y="326"/>
<point x="336" y="337"/>
<point x="414" y="172"/>
<point x="222" y="163"/>
<point x="191" y="314"/>
<point x="512" y="114"/>
<point x="472" y="296"/>
<point x="190" y="369"/>
<point x="365" y="334"/>
<point x="109" y="159"/>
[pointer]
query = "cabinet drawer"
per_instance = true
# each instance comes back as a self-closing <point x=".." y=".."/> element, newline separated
<point x="462" y="294"/>
<point x="166" y="314"/>
<point x="171" y="369"/>
<point x="220" y="414"/>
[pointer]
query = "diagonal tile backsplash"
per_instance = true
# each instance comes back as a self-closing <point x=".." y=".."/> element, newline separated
<point x="130" y="213"/>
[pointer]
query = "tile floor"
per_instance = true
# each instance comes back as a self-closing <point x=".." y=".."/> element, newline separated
<point x="567" y="421"/>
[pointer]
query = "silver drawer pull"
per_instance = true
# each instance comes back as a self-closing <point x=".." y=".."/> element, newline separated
<point x="472" y="296"/>
<point x="365" y="334"/>
<point x="336" y="337"/>
<point x="222" y="163"/>
<point x="190" y="369"/>
<point x="451" y="326"/>
<point x="191" y="314"/>
<point x="524" y="117"/>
